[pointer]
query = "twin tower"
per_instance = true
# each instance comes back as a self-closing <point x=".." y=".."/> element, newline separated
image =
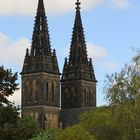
<point x="41" y="83"/>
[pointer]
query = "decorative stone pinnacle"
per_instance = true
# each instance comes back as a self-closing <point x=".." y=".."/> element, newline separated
<point x="54" y="52"/>
<point x="27" y="52"/>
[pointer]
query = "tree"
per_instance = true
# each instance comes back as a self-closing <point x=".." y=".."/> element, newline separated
<point x="27" y="127"/>
<point x="123" y="94"/>
<point x="76" y="132"/>
<point x="8" y="113"/>
<point x="100" y="123"/>
<point x="124" y="86"/>
<point x="7" y="85"/>
<point x="49" y="134"/>
<point x="8" y="119"/>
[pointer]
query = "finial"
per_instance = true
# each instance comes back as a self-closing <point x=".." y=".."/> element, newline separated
<point x="90" y="61"/>
<point x="54" y="52"/>
<point x="78" y="4"/>
<point x="27" y="52"/>
<point x="66" y="60"/>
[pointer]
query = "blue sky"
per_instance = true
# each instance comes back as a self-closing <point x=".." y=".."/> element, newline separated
<point x="111" y="28"/>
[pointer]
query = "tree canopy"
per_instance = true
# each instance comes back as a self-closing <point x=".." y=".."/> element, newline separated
<point x="7" y="84"/>
<point x="125" y="85"/>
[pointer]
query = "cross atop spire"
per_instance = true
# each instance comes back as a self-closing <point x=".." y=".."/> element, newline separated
<point x="78" y="5"/>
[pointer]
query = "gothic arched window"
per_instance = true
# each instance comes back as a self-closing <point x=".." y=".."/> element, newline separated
<point x="52" y="92"/>
<point x="90" y="99"/>
<point x="85" y="98"/>
<point x="75" y="98"/>
<point x="36" y="91"/>
<point x="30" y="92"/>
<point x="47" y="91"/>
<point x="65" y="96"/>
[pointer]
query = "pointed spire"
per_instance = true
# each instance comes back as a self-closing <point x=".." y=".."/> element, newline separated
<point x="92" y="74"/>
<point x="78" y="33"/>
<point x="40" y="6"/>
<point x="40" y="40"/>
<point x="78" y="51"/>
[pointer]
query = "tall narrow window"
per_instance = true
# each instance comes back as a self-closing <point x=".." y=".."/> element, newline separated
<point x="30" y="92"/>
<point x="47" y="91"/>
<point x="85" y="98"/>
<point x="52" y="92"/>
<point x="36" y="92"/>
<point x="90" y="99"/>
<point x="25" y="96"/>
<point x="65" y="97"/>
<point x="76" y="99"/>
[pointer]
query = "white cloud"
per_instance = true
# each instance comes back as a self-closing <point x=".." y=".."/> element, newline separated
<point x="122" y="4"/>
<point x="53" y="7"/>
<point x="111" y="65"/>
<point x="12" y="52"/>
<point x="96" y="52"/>
<point x="28" y="7"/>
<point x="100" y="53"/>
<point x="3" y="39"/>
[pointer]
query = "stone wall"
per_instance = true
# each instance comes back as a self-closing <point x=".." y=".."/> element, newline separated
<point x="46" y="116"/>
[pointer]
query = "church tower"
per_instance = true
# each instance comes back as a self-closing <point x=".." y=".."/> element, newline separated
<point x="41" y="76"/>
<point x="78" y="83"/>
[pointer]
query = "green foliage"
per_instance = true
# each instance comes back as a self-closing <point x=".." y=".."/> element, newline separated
<point x="126" y="118"/>
<point x="113" y="123"/>
<point x="8" y="119"/>
<point x="124" y="86"/>
<point x="26" y="128"/>
<point x="100" y="123"/>
<point x="7" y="84"/>
<point x="123" y="93"/>
<point x="22" y="129"/>
<point x="8" y="115"/>
<point x="49" y="134"/>
<point x="76" y="132"/>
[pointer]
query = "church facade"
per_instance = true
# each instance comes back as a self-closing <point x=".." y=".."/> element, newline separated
<point x="42" y="81"/>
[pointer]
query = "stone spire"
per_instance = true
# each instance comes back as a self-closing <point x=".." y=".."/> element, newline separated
<point x="78" y="53"/>
<point x="40" y="40"/>
<point x="40" y="58"/>
<point x="78" y="66"/>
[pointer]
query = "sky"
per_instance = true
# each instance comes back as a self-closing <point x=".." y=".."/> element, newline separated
<point x="112" y="28"/>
